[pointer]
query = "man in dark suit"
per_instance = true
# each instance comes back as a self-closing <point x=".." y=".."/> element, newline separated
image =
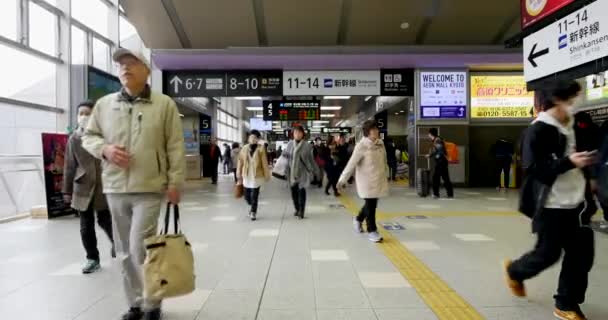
<point x="214" y="156"/>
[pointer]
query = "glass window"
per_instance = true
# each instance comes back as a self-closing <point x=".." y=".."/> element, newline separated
<point x="43" y="26"/>
<point x="126" y="30"/>
<point x="8" y="19"/>
<point x="79" y="46"/>
<point x="92" y="13"/>
<point x="35" y="83"/>
<point x="101" y="55"/>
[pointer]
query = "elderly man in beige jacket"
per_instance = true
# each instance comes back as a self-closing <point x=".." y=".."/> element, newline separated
<point x="139" y="136"/>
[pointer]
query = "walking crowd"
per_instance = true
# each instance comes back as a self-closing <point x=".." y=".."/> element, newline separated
<point x="127" y="158"/>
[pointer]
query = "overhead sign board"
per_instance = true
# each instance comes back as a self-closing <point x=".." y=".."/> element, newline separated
<point x="443" y="95"/>
<point x="500" y="96"/>
<point x="578" y="38"/>
<point x="291" y="110"/>
<point x="331" y="83"/>
<point x="382" y="121"/>
<point x="533" y="11"/>
<point x="397" y="82"/>
<point x="195" y="84"/>
<point x="222" y="83"/>
<point x="336" y="130"/>
<point x="254" y="83"/>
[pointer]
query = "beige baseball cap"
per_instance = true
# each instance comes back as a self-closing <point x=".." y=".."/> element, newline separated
<point x="121" y="52"/>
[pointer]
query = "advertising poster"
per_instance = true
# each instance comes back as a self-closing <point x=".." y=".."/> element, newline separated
<point x="533" y="11"/>
<point x="500" y="96"/>
<point x="443" y="95"/>
<point x="53" y="156"/>
<point x="597" y="87"/>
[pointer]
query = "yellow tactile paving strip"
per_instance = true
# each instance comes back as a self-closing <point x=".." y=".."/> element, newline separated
<point x="438" y="296"/>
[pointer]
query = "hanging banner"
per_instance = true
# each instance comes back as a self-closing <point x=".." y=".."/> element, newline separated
<point x="331" y="83"/>
<point x="205" y="129"/>
<point x="53" y="155"/>
<point x="574" y="40"/>
<point x="443" y="95"/>
<point x="500" y="96"/>
<point x="397" y="82"/>
<point x="533" y="11"/>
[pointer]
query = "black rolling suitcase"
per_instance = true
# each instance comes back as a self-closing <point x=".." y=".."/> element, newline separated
<point x="423" y="181"/>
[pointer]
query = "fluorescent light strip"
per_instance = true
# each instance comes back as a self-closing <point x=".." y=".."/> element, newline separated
<point x="320" y="121"/>
<point x="255" y="109"/>
<point x="336" y="97"/>
<point x="329" y="115"/>
<point x="367" y="98"/>
<point x="248" y="98"/>
<point x="331" y="108"/>
<point x="259" y="116"/>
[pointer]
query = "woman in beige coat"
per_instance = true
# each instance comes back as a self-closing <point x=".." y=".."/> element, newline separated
<point x="368" y="162"/>
<point x="253" y="171"/>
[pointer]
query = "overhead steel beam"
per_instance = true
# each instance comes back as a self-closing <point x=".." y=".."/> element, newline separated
<point x="260" y="22"/>
<point x="426" y="23"/>
<point x="502" y="32"/>
<point x="345" y="14"/>
<point x="177" y="23"/>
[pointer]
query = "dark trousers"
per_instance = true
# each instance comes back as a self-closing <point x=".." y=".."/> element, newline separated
<point x="559" y="231"/>
<point x="368" y="214"/>
<point x="332" y="181"/>
<point x="235" y="178"/>
<point x="441" y="173"/>
<point x="214" y="172"/>
<point x="392" y="165"/>
<point x="87" y="230"/>
<point x="251" y="196"/>
<point x="298" y="195"/>
<point x="503" y="165"/>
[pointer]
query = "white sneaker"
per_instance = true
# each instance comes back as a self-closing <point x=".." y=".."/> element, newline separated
<point x="374" y="237"/>
<point x="357" y="226"/>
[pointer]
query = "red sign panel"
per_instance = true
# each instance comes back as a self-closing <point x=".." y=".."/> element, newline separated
<point x="533" y="11"/>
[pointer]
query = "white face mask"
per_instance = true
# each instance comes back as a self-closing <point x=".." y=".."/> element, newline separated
<point x="83" y="121"/>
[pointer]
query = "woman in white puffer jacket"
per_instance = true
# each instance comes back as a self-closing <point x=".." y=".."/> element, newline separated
<point x="368" y="162"/>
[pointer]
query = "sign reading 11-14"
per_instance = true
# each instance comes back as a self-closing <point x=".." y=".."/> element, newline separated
<point x="576" y="39"/>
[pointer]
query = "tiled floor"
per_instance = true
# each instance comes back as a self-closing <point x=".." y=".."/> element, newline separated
<point x="281" y="268"/>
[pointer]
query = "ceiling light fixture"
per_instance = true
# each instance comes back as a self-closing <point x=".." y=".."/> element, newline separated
<point x="320" y="121"/>
<point x="367" y="98"/>
<point x="331" y="108"/>
<point x="402" y="111"/>
<point x="255" y="109"/>
<point x="328" y="115"/>
<point x="259" y="116"/>
<point x="336" y="97"/>
<point x="248" y="98"/>
<point x="405" y="25"/>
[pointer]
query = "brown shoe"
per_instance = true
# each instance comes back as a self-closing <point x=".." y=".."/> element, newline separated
<point x="517" y="287"/>
<point x="568" y="315"/>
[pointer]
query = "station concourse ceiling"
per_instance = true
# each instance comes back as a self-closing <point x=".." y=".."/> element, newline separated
<point x="223" y="24"/>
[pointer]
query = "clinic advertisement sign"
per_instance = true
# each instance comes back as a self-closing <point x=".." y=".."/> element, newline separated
<point x="533" y="11"/>
<point x="443" y="95"/>
<point x="54" y="148"/>
<point x="331" y="83"/>
<point x="500" y="96"/>
<point x="574" y="40"/>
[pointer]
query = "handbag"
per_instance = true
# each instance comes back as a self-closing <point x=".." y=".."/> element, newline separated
<point x="280" y="168"/>
<point x="169" y="264"/>
<point x="239" y="190"/>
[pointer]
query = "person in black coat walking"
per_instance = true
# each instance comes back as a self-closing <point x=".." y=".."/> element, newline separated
<point x="554" y="196"/>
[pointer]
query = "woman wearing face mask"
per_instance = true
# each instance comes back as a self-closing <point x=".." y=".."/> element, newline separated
<point x="252" y="171"/>
<point x="82" y="188"/>
<point x="302" y="169"/>
<point x="554" y="196"/>
<point x="369" y="164"/>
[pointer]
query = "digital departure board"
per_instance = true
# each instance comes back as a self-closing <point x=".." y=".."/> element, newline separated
<point x="292" y="110"/>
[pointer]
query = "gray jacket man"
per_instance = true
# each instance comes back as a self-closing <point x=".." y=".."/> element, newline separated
<point x="139" y="136"/>
<point x="82" y="188"/>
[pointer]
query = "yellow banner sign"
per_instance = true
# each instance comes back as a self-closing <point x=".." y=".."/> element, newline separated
<point x="496" y="96"/>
